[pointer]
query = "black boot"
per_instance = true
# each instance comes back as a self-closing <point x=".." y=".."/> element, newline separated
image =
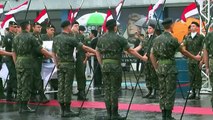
<point x="163" y="114"/>
<point x="43" y="99"/>
<point x="169" y="115"/>
<point x="68" y="112"/>
<point x="115" y="115"/>
<point x="192" y="95"/>
<point x="24" y="108"/>
<point x="82" y="95"/>
<point x="149" y="92"/>
<point x="62" y="109"/>
<point x="1" y="90"/>
<point x="153" y="95"/>
<point x="33" y="98"/>
<point x="197" y="94"/>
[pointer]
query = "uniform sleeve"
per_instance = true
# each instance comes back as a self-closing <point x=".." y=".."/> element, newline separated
<point x="176" y="44"/>
<point x="5" y="41"/>
<point x="37" y="47"/>
<point x="76" y="43"/>
<point x="205" y="45"/>
<point x="124" y="44"/>
<point x="54" y="48"/>
<point x="14" y="45"/>
<point x="184" y="42"/>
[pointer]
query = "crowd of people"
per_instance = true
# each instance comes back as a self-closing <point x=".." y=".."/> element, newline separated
<point x="23" y="55"/>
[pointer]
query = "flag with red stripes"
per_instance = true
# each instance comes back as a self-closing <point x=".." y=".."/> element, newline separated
<point x="42" y="16"/>
<point x="18" y="8"/>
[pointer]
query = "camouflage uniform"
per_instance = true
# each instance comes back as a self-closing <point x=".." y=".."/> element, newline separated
<point x="24" y="45"/>
<point x="63" y="46"/>
<point x="80" y="69"/>
<point x="164" y="49"/>
<point x="45" y="37"/>
<point x="111" y="47"/>
<point x="37" y="81"/>
<point x="151" y="77"/>
<point x="194" y="46"/>
<point x="208" y="45"/>
<point x="12" y="82"/>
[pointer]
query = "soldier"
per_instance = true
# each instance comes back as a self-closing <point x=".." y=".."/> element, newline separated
<point x="38" y="57"/>
<point x="1" y="83"/>
<point x="80" y="66"/>
<point x="50" y="33"/>
<point x="193" y="43"/>
<point x="110" y="47"/>
<point x="164" y="49"/>
<point x="23" y="46"/>
<point x="7" y="43"/>
<point x="151" y="77"/>
<point x="63" y="47"/>
<point x="208" y="58"/>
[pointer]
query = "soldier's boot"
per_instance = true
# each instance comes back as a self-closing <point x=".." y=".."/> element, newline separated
<point x="163" y="114"/>
<point x="33" y="98"/>
<point x="62" y="109"/>
<point x="68" y="112"/>
<point x="25" y="109"/>
<point x="153" y="95"/>
<point x="149" y="92"/>
<point x="82" y="95"/>
<point x="43" y="99"/>
<point x="1" y="90"/>
<point x="197" y="92"/>
<point x="116" y="116"/>
<point x="169" y="115"/>
<point x="192" y="95"/>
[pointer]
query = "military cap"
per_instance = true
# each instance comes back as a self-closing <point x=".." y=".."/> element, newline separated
<point x="75" y="22"/>
<point x="65" y="24"/>
<point x="36" y="23"/>
<point x="50" y="26"/>
<point x="195" y="23"/>
<point x="12" y="23"/>
<point x="167" y="21"/>
<point x="152" y="25"/>
<point x="82" y="28"/>
<point x="24" y="23"/>
<point x="111" y="23"/>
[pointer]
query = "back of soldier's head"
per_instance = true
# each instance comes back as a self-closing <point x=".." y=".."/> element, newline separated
<point x="110" y="24"/>
<point x="94" y="32"/>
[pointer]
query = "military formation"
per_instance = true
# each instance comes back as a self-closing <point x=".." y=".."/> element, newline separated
<point x="24" y="54"/>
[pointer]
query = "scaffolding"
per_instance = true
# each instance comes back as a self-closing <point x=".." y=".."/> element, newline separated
<point x="206" y="9"/>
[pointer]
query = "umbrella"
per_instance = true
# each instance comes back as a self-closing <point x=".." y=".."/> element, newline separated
<point x="95" y="18"/>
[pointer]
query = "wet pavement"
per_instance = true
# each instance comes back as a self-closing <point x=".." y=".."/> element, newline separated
<point x="141" y="109"/>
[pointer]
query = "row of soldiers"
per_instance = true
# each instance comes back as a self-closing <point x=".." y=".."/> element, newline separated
<point x="108" y="52"/>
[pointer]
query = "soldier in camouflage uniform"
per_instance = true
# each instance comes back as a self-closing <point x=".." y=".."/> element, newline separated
<point x="80" y="66"/>
<point x="38" y="57"/>
<point x="151" y="77"/>
<point x="208" y="58"/>
<point x="63" y="47"/>
<point x="163" y="51"/>
<point x="50" y="33"/>
<point x="23" y="46"/>
<point x="7" y="43"/>
<point x="110" y="47"/>
<point x="193" y="43"/>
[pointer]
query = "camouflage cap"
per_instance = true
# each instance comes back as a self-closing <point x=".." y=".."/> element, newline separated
<point x="36" y="23"/>
<point x="195" y="23"/>
<point x="82" y="28"/>
<point x="24" y="23"/>
<point x="152" y="25"/>
<point x="111" y="23"/>
<point x="75" y="22"/>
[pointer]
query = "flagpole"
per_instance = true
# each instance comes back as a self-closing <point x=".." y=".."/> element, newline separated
<point x="46" y="10"/>
<point x="27" y="10"/>
<point x="117" y="17"/>
<point x="82" y="2"/>
<point x="158" y="17"/>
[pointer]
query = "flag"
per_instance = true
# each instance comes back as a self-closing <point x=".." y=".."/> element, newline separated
<point x="1" y="8"/>
<point x="42" y="16"/>
<point x="108" y="17"/>
<point x="18" y="9"/>
<point x="149" y="9"/>
<point x="155" y="7"/>
<point x="71" y="15"/>
<point x="5" y="22"/>
<point x="200" y="2"/>
<point x="189" y="11"/>
<point x="118" y="8"/>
